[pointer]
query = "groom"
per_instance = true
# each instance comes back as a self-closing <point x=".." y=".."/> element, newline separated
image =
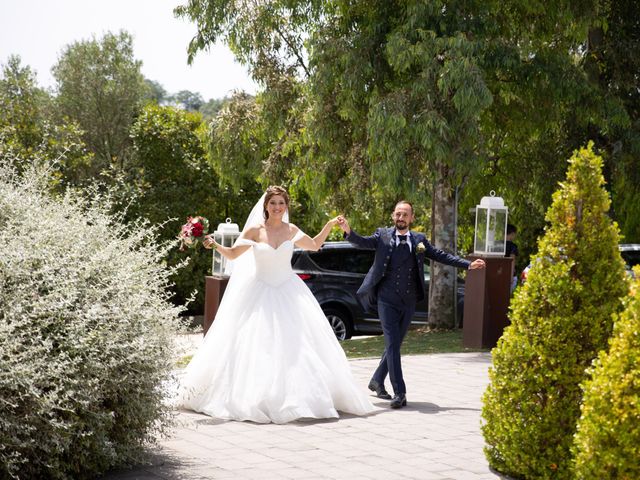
<point x="395" y="282"/>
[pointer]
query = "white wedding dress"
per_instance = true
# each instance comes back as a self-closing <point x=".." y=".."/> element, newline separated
<point x="270" y="355"/>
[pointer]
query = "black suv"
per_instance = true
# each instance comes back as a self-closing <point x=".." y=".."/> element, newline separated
<point x="335" y="272"/>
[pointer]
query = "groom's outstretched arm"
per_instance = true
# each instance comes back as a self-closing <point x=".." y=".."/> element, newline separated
<point x="449" y="259"/>
<point x="355" y="239"/>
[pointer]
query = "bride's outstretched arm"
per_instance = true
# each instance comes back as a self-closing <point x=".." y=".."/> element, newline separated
<point x="316" y="242"/>
<point x="229" y="252"/>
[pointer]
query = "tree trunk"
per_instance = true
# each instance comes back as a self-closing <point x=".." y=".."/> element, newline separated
<point x="442" y="285"/>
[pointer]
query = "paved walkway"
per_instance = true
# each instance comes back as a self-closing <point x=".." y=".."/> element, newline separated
<point x="437" y="436"/>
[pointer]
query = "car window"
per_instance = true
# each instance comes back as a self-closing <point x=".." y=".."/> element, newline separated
<point x="631" y="257"/>
<point x="353" y="261"/>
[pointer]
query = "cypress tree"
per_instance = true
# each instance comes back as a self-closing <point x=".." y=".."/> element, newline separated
<point x="560" y="320"/>
<point x="607" y="442"/>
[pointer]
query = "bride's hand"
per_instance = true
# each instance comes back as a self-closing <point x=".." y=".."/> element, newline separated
<point x="209" y="242"/>
<point x="343" y="223"/>
<point x="334" y="221"/>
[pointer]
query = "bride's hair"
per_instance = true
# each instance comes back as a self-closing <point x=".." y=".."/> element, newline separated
<point x="272" y="191"/>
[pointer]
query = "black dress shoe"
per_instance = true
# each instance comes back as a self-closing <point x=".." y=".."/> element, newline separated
<point x="398" y="401"/>
<point x="379" y="389"/>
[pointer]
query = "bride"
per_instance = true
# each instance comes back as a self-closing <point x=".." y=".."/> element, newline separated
<point x="270" y="355"/>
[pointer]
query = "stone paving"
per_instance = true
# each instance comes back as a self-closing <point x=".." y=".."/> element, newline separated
<point x="436" y="437"/>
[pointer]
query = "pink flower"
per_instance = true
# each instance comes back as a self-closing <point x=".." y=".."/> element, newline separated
<point x="192" y="231"/>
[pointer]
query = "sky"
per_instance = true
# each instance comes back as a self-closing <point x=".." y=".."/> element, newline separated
<point x="39" y="30"/>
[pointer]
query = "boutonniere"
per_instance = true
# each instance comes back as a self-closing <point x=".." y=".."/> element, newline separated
<point x="420" y="247"/>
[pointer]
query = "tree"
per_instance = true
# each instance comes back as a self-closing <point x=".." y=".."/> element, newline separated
<point x="268" y="37"/>
<point x="236" y="146"/>
<point x="394" y="88"/>
<point x="156" y="92"/>
<point x="101" y="88"/>
<point x="171" y="180"/>
<point x="29" y="130"/>
<point x="210" y="109"/>
<point x="608" y="432"/>
<point x="369" y="102"/>
<point x="560" y="320"/>
<point x="612" y="66"/>
<point x="190" y="101"/>
<point x="573" y="86"/>
<point x="22" y="104"/>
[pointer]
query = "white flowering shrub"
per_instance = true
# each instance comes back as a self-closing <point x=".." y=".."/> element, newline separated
<point x="85" y="335"/>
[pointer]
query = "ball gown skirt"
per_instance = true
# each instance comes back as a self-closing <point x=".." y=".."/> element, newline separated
<point x="270" y="355"/>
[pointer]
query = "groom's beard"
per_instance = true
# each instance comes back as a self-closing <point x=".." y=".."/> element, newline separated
<point x="401" y="225"/>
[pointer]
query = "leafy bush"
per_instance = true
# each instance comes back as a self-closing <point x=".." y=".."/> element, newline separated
<point x="85" y="334"/>
<point x="607" y="442"/>
<point x="173" y="180"/>
<point x="560" y="320"/>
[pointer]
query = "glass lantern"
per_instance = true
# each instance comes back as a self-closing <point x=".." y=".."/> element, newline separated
<point x="491" y="226"/>
<point x="226" y="234"/>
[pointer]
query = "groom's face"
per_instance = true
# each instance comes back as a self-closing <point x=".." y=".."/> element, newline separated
<point x="402" y="216"/>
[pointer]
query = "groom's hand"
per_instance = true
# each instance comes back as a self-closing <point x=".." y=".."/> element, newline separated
<point x="477" y="263"/>
<point x="344" y="224"/>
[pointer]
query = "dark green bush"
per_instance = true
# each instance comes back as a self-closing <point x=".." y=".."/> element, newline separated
<point x="172" y="180"/>
<point x="560" y="320"/>
<point x="85" y="335"/>
<point x="607" y="443"/>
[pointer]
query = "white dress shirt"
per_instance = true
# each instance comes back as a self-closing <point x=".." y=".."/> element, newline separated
<point x="408" y="239"/>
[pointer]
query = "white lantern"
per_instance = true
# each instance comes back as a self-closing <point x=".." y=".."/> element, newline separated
<point x="491" y="226"/>
<point x="226" y="234"/>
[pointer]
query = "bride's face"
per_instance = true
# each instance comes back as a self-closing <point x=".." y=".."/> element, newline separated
<point x="276" y="206"/>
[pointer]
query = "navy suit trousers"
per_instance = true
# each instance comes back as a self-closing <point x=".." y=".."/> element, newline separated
<point x="395" y="318"/>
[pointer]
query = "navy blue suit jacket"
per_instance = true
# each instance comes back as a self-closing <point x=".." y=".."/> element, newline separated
<point x="383" y="241"/>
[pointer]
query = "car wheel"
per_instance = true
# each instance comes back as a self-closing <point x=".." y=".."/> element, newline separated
<point x="340" y="322"/>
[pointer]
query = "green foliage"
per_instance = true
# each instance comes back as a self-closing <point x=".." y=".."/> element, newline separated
<point x="236" y="149"/>
<point x="190" y="101"/>
<point x="172" y="179"/>
<point x="367" y="102"/>
<point x="28" y="128"/>
<point x="210" y="109"/>
<point x="86" y="334"/>
<point x="612" y="66"/>
<point x="394" y="96"/>
<point x="156" y="92"/>
<point x="22" y="103"/>
<point x="607" y="442"/>
<point x="101" y="88"/>
<point x="550" y="97"/>
<point x="262" y="138"/>
<point x="560" y="320"/>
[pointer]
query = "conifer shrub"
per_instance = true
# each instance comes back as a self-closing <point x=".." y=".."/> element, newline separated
<point x="607" y="442"/>
<point x="560" y="319"/>
<point x="85" y="335"/>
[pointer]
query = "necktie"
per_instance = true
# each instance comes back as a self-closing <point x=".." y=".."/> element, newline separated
<point x="404" y="245"/>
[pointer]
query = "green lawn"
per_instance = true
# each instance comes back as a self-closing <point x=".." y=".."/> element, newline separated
<point x="417" y="341"/>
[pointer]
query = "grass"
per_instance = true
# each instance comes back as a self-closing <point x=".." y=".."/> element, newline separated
<point x="417" y="341"/>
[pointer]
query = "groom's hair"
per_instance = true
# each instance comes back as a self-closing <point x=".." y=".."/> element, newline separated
<point x="405" y="202"/>
<point x="272" y="191"/>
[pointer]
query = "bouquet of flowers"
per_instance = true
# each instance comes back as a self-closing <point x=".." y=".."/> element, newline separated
<point x="193" y="231"/>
